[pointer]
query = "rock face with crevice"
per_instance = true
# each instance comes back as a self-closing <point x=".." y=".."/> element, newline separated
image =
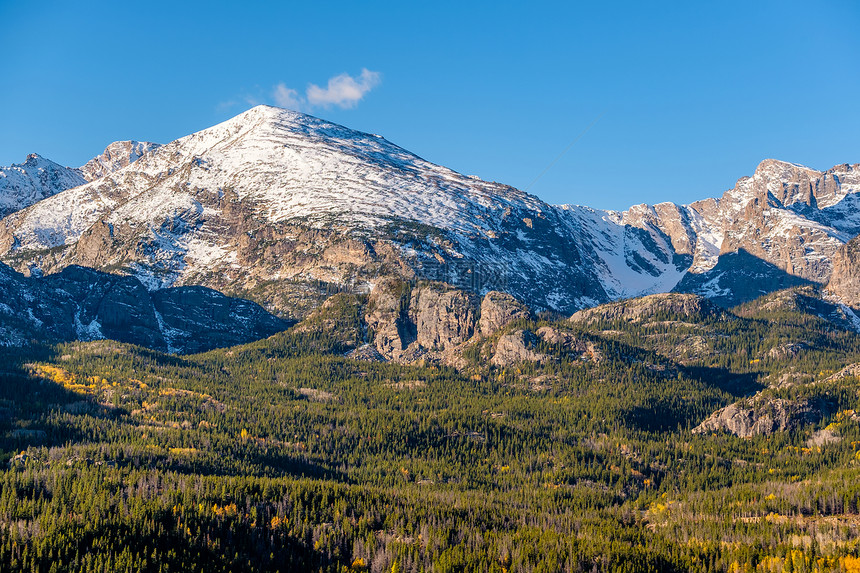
<point x="444" y="317"/>
<point x="434" y="320"/>
<point x="408" y="322"/>
<point x="845" y="280"/>
<point x="387" y="319"/>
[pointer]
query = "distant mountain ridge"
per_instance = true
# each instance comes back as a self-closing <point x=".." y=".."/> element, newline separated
<point x="284" y="208"/>
<point x="25" y="184"/>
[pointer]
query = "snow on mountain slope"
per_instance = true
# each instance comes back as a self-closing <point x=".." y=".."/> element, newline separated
<point x="629" y="260"/>
<point x="334" y="204"/>
<point x="786" y="220"/>
<point x="24" y="184"/>
<point x="272" y="204"/>
<point x="298" y="167"/>
<point x="85" y="304"/>
<point x="115" y="156"/>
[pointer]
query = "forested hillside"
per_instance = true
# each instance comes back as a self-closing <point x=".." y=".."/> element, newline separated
<point x="284" y="455"/>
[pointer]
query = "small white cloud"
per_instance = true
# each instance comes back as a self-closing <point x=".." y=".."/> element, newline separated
<point x="288" y="98"/>
<point x="344" y="91"/>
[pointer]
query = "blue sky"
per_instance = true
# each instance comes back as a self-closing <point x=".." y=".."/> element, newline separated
<point x="688" y="96"/>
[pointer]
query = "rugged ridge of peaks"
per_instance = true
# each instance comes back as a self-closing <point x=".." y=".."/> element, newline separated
<point x="271" y="204"/>
<point x="37" y="178"/>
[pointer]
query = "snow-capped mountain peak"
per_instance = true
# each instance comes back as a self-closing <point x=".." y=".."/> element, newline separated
<point x="36" y="178"/>
<point x="273" y="201"/>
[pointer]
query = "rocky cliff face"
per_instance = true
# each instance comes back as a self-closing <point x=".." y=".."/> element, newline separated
<point x="443" y="317"/>
<point x="437" y="321"/>
<point x="388" y="321"/>
<point x="84" y="304"/>
<point x="784" y="225"/>
<point x="408" y="322"/>
<point x="845" y="280"/>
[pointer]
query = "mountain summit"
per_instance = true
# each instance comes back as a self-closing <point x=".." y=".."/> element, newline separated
<point x="274" y="195"/>
<point x="285" y="208"/>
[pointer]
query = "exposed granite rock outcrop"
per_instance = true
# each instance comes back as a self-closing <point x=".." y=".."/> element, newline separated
<point x="787" y="350"/>
<point x="571" y="343"/>
<point x="516" y="347"/>
<point x="387" y="319"/>
<point x="852" y="370"/>
<point x="499" y="309"/>
<point x="763" y="416"/>
<point x="649" y="308"/>
<point x="434" y="320"/>
<point x="845" y="280"/>
<point x="444" y="317"/>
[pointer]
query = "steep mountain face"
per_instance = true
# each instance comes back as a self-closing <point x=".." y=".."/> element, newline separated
<point x="284" y="209"/>
<point x="787" y="220"/>
<point x="272" y="202"/>
<point x="27" y="183"/>
<point x="84" y="304"/>
<point x="779" y="228"/>
<point x="845" y="280"/>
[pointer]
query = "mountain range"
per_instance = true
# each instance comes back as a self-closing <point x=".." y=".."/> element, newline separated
<point x="285" y="209"/>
